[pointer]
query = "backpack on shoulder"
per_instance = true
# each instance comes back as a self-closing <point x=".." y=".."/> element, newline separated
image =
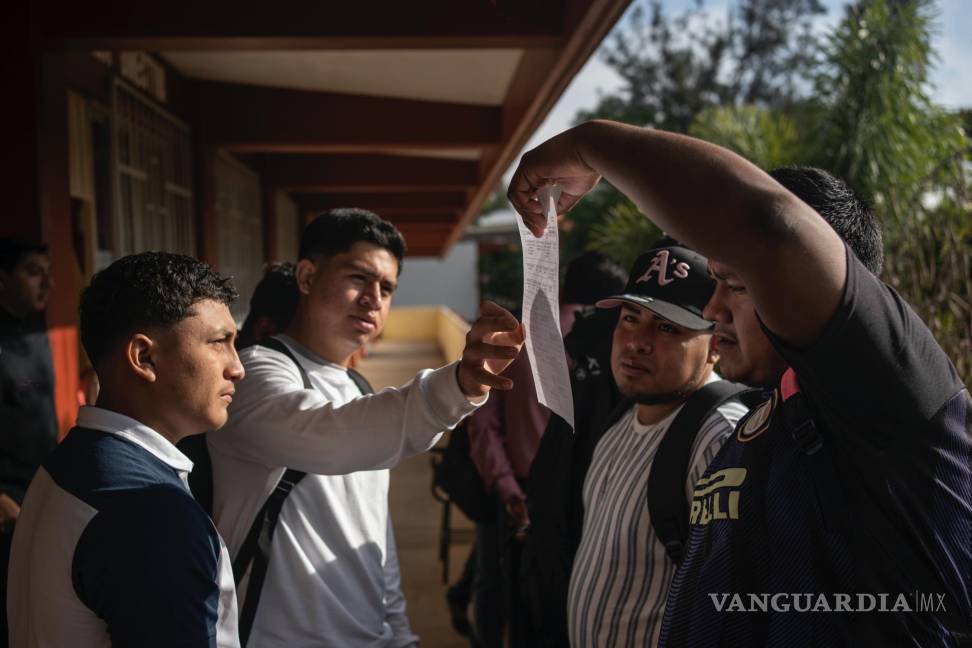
<point x="455" y="474"/>
<point x="667" y="505"/>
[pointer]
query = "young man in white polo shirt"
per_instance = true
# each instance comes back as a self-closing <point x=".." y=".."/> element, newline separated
<point x="326" y="574"/>
<point x="111" y="548"/>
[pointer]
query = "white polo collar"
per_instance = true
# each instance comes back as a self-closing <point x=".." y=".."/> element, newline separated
<point x="96" y="418"/>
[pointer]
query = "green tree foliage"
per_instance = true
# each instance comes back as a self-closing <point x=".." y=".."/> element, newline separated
<point x="625" y="234"/>
<point x="878" y="129"/>
<point x="496" y="200"/>
<point x="767" y="138"/>
<point x="578" y="227"/>
<point x="676" y="68"/>
<point x="673" y="68"/>
<point x="869" y="121"/>
<point x="501" y="276"/>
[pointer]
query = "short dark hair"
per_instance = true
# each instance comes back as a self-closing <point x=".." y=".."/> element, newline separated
<point x="276" y="296"/>
<point x="13" y="250"/>
<point x="141" y="290"/>
<point x="335" y="231"/>
<point x="591" y="277"/>
<point x="846" y="212"/>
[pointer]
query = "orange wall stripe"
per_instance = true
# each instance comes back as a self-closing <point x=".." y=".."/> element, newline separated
<point x="64" y="352"/>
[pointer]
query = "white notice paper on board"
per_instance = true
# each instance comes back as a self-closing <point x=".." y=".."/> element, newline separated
<point x="541" y="311"/>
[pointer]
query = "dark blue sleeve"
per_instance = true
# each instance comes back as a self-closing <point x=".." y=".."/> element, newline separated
<point x="876" y="361"/>
<point x="148" y="566"/>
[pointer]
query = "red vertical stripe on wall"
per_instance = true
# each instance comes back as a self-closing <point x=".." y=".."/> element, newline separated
<point x="57" y="229"/>
<point x="64" y="352"/>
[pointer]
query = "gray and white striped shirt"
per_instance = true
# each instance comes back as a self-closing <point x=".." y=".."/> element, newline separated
<point x="621" y="573"/>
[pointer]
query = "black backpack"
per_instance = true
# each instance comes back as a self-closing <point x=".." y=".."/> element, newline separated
<point x="255" y="549"/>
<point x="667" y="506"/>
<point x="455" y="475"/>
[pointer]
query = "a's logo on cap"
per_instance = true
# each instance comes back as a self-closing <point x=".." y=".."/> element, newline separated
<point x="660" y="265"/>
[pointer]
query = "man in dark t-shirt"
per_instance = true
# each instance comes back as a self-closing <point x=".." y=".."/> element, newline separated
<point x="826" y="504"/>
<point x="840" y="514"/>
<point x="884" y="498"/>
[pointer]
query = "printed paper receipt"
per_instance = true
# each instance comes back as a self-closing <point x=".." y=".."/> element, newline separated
<point x="541" y="311"/>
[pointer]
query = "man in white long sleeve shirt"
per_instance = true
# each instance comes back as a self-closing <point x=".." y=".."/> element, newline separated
<point x="332" y="576"/>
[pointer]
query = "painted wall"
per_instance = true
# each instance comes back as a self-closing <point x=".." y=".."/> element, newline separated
<point x="428" y="323"/>
<point x="452" y="281"/>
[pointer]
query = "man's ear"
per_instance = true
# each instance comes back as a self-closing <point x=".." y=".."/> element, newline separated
<point x="140" y="356"/>
<point x="304" y="273"/>
<point x="713" y="354"/>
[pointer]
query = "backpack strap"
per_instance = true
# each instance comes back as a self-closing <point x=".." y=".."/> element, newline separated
<point x="256" y="549"/>
<point x="276" y="345"/>
<point x="667" y="505"/>
<point x="361" y="382"/>
<point x="254" y="553"/>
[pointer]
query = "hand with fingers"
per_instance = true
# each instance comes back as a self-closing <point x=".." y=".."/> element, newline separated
<point x="558" y="161"/>
<point x="492" y="343"/>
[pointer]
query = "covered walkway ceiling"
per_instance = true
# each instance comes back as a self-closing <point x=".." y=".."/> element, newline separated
<point x="412" y="109"/>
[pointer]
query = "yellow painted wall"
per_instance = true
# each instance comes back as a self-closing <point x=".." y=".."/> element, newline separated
<point x="411" y="323"/>
<point x="451" y="330"/>
<point x="428" y="323"/>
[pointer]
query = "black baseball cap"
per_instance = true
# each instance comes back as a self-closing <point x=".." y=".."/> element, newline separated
<point x="671" y="281"/>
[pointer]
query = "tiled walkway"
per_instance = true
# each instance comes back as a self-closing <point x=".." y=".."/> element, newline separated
<point x="417" y="516"/>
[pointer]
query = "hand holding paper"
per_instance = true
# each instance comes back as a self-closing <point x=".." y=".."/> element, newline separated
<point x="558" y="161"/>
<point x="541" y="311"/>
<point x="492" y="343"/>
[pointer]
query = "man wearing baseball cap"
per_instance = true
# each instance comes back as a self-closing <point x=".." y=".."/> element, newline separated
<point x="661" y="358"/>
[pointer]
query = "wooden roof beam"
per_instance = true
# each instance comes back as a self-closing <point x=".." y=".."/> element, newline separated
<point x="299" y="24"/>
<point x="539" y="82"/>
<point x="424" y="243"/>
<point x="424" y="249"/>
<point x="410" y="217"/>
<point x="384" y="202"/>
<point x="368" y="173"/>
<point x="246" y="118"/>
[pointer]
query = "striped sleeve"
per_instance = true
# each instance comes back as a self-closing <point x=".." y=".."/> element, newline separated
<point x="715" y="430"/>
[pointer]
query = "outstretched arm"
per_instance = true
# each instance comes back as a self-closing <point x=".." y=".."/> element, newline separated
<point x="276" y="422"/>
<point x="711" y="199"/>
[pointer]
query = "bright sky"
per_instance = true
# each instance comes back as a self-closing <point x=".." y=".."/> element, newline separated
<point x="952" y="78"/>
